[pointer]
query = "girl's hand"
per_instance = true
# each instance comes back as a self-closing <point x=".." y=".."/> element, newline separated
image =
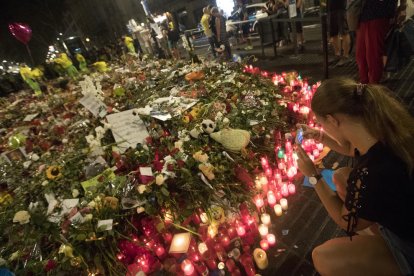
<point x="305" y="164"/>
<point x="310" y="133"/>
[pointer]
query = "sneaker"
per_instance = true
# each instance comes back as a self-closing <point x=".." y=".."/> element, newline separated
<point x="343" y="61"/>
<point x="250" y="47"/>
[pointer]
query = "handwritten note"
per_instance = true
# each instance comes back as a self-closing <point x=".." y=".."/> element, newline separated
<point x="94" y="105"/>
<point x="128" y="129"/>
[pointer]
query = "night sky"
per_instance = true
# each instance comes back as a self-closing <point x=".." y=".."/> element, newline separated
<point x="44" y="17"/>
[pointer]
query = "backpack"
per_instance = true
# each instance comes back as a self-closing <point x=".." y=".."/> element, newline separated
<point x="353" y="13"/>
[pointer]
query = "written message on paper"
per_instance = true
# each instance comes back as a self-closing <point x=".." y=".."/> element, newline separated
<point x="128" y="129"/>
<point x="94" y="105"/>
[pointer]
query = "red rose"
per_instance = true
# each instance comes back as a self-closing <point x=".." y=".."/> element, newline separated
<point x="50" y="265"/>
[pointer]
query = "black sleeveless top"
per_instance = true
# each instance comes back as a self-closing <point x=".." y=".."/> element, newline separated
<point x="385" y="194"/>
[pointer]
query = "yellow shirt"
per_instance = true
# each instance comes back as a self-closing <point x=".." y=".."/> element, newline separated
<point x="128" y="40"/>
<point x="101" y="66"/>
<point x="205" y="24"/>
<point x="26" y="72"/>
<point x="64" y="60"/>
<point x="80" y="58"/>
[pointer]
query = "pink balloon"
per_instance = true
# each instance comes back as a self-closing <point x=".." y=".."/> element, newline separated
<point x="21" y="31"/>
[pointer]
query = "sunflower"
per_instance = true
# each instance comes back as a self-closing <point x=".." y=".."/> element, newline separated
<point x="53" y="172"/>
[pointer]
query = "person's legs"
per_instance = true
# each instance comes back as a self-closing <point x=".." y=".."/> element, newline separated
<point x="364" y="255"/>
<point x="211" y="40"/>
<point x="361" y="49"/>
<point x="346" y="44"/>
<point x="376" y="32"/>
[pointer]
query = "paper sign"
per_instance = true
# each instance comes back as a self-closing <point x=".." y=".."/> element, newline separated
<point x="94" y="105"/>
<point x="105" y="225"/>
<point x="108" y="174"/>
<point x="68" y="204"/>
<point x="146" y="171"/>
<point x="30" y="117"/>
<point x="128" y="129"/>
<point x="77" y="218"/>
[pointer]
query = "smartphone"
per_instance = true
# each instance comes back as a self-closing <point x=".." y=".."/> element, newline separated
<point x="299" y="136"/>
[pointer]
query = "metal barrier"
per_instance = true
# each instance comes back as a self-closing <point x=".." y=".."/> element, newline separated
<point x="269" y="34"/>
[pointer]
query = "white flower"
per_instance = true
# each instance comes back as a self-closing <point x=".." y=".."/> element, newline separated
<point x="22" y="217"/>
<point x="35" y="157"/>
<point x="92" y="204"/>
<point x="33" y="205"/>
<point x="179" y="145"/>
<point x="99" y="130"/>
<point x="159" y="179"/>
<point x="140" y="210"/>
<point x="89" y="138"/>
<point x="27" y="164"/>
<point x="141" y="189"/>
<point x="44" y="183"/>
<point x="88" y="217"/>
<point x="226" y="121"/>
<point x="75" y="193"/>
<point x="65" y="141"/>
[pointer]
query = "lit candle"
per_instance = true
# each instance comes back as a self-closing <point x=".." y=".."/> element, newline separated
<point x="159" y="250"/>
<point x="202" y="248"/>
<point x="271" y="239"/>
<point x="284" y="190"/>
<point x="204" y="218"/>
<point x="180" y="243"/>
<point x="268" y="172"/>
<point x="263" y="180"/>
<point x="264" y="162"/>
<point x="232" y="232"/>
<point x="264" y="244"/>
<point x="258" y="184"/>
<point x="284" y="204"/>
<point x="241" y="231"/>
<point x="263" y="229"/>
<point x="319" y="146"/>
<point x="288" y="147"/>
<point x="271" y="198"/>
<point x="225" y="241"/>
<point x="292" y="188"/>
<point x="212" y="231"/>
<point x="278" y="210"/>
<point x="265" y="218"/>
<point x="260" y="257"/>
<point x="187" y="267"/>
<point x="258" y="200"/>
<point x="292" y="171"/>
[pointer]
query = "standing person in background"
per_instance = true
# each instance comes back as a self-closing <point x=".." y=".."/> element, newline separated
<point x="244" y="26"/>
<point x="129" y="43"/>
<point x="27" y="76"/>
<point x="205" y="23"/>
<point x="374" y="24"/>
<point x="299" y="27"/>
<point x="83" y="67"/>
<point x="338" y="27"/>
<point x="173" y="36"/>
<point x="221" y="31"/>
<point x="66" y="63"/>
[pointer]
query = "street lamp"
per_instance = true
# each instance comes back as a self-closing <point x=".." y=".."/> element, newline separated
<point x="87" y="39"/>
<point x="60" y="34"/>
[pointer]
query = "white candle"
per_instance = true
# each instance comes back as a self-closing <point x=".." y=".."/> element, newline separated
<point x="265" y="218"/>
<point x="278" y="210"/>
<point x="260" y="257"/>
<point x="271" y="239"/>
<point x="284" y="204"/>
<point x="263" y="230"/>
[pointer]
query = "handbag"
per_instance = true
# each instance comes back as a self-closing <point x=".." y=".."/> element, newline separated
<point x="398" y="49"/>
<point x="353" y="13"/>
